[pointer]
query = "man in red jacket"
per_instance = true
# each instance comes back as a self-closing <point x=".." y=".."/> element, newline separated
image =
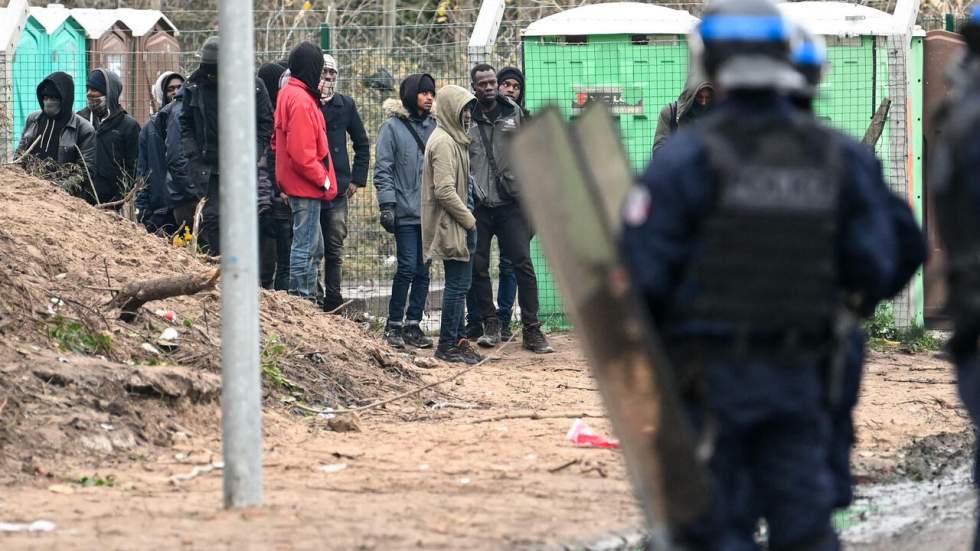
<point x="303" y="164"/>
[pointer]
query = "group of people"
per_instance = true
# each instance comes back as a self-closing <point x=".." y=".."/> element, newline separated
<point x="443" y="195"/>
<point x="759" y="238"/>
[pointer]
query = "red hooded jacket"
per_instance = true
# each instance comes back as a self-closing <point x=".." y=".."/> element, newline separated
<point x="303" y="160"/>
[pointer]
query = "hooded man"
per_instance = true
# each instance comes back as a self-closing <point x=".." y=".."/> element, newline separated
<point x="303" y="164"/>
<point x="511" y="83"/>
<point x="694" y="102"/>
<point x="199" y="141"/>
<point x="343" y="120"/>
<point x="276" y="227"/>
<point x="448" y="224"/>
<point x="153" y="203"/>
<point x="397" y="172"/>
<point x="116" y="138"/>
<point x="495" y="120"/>
<point x="56" y="134"/>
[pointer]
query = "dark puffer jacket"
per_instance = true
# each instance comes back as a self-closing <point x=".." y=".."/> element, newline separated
<point x="76" y="144"/>
<point x="116" y="146"/>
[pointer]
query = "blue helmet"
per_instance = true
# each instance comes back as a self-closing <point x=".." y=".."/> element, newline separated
<point x="809" y="57"/>
<point x="746" y="44"/>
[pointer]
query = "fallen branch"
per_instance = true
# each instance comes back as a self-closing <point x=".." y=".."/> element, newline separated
<point x="496" y="355"/>
<point x="535" y="416"/>
<point x="921" y="381"/>
<point x="564" y="466"/>
<point x="196" y="472"/>
<point x="877" y="126"/>
<point x="341" y="307"/>
<point x="136" y="294"/>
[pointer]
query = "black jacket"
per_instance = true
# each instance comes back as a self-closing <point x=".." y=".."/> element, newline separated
<point x="76" y="144"/>
<point x="193" y="133"/>
<point x="116" y="146"/>
<point x="342" y="119"/>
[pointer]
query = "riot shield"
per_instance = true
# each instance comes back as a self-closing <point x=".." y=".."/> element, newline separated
<point x="572" y="183"/>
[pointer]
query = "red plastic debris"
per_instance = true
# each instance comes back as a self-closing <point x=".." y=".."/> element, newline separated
<point x="581" y="435"/>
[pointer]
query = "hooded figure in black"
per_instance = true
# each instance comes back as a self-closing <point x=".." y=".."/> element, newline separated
<point x="116" y="138"/>
<point x="56" y="133"/>
<point x="306" y="64"/>
<point x="513" y="73"/>
<point x="276" y="224"/>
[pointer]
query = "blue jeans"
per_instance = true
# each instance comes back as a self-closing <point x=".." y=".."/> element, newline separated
<point x="458" y="277"/>
<point x="411" y="283"/>
<point x="306" y="252"/>
<point x="506" y="291"/>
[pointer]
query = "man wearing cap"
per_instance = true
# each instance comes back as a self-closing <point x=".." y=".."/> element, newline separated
<point x="116" y="139"/>
<point x="343" y="120"/>
<point x="199" y="140"/>
<point x="156" y="201"/>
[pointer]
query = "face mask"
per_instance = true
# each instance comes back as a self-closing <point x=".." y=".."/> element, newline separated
<point x="51" y="107"/>
<point x="98" y="105"/>
<point x="326" y="89"/>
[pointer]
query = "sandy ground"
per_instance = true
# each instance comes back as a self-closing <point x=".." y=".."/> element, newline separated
<point x="430" y="475"/>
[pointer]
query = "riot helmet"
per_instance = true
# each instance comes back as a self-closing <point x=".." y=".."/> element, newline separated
<point x="809" y="56"/>
<point x="745" y="45"/>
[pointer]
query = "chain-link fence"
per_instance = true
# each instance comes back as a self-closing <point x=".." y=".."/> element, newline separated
<point x="638" y="75"/>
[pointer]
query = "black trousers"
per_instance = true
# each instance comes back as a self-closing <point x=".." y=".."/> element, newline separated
<point x="513" y="234"/>
<point x="274" y="244"/>
<point x="210" y="239"/>
<point x="333" y="224"/>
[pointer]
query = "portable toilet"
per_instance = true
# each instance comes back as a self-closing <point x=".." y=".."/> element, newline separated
<point x="866" y="66"/>
<point x="155" y="50"/>
<point x="66" y="45"/>
<point x="630" y="55"/>
<point x="109" y="41"/>
<point x="31" y="64"/>
<point x="13" y="21"/>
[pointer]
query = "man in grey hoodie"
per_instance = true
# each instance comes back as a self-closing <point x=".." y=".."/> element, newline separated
<point x="397" y="176"/>
<point x="694" y="102"/>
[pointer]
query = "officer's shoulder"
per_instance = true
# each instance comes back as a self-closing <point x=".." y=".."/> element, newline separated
<point x="683" y="152"/>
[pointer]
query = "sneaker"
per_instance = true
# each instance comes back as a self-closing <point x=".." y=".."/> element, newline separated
<point x="412" y="335"/>
<point x="393" y="336"/>
<point x="470" y="356"/>
<point x="506" y="332"/>
<point x="491" y="334"/>
<point x="449" y="353"/>
<point x="474" y="331"/>
<point x="535" y="341"/>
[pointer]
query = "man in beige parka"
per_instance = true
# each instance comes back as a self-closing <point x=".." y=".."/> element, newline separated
<point x="448" y="225"/>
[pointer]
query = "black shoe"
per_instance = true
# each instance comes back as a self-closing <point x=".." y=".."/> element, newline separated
<point x="449" y="353"/>
<point x="470" y="356"/>
<point x="330" y="307"/>
<point x="506" y="333"/>
<point x="393" y="336"/>
<point x="474" y="331"/>
<point x="491" y="334"/>
<point x="535" y="341"/>
<point x="412" y="335"/>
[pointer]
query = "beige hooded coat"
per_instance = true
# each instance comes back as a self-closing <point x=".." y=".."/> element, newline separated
<point x="445" y="181"/>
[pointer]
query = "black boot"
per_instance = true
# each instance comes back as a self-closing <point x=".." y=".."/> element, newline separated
<point x="474" y="330"/>
<point x="491" y="333"/>
<point x="449" y="353"/>
<point x="535" y="341"/>
<point x="393" y="336"/>
<point x="469" y="355"/>
<point x="412" y="335"/>
<point x="506" y="333"/>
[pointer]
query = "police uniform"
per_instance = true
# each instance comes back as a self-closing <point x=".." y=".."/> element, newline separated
<point x="755" y="228"/>
<point x="955" y="184"/>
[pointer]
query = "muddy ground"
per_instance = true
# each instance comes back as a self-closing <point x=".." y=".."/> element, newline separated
<point x="435" y="474"/>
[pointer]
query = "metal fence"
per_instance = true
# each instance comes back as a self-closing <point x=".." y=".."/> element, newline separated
<point x="637" y="74"/>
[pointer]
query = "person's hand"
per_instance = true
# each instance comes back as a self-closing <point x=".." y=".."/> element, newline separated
<point x="351" y="191"/>
<point x="388" y="217"/>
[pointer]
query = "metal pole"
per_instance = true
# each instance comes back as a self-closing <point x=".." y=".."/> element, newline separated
<point x="241" y="396"/>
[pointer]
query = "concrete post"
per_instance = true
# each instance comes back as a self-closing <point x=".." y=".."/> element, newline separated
<point x="241" y="396"/>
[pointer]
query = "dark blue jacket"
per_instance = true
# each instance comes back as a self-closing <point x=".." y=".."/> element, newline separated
<point x="658" y="246"/>
<point x="152" y="169"/>
<point x="180" y="187"/>
<point x="342" y="118"/>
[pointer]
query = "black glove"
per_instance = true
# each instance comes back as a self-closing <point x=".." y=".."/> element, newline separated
<point x="388" y="217"/>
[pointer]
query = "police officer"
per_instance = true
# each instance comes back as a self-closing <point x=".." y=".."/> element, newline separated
<point x="956" y="188"/>
<point x="767" y="225"/>
<point x="846" y="365"/>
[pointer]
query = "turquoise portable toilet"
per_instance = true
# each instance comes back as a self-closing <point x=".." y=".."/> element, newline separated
<point x="630" y="55"/>
<point x="13" y="20"/>
<point x="32" y="63"/>
<point x="66" y="44"/>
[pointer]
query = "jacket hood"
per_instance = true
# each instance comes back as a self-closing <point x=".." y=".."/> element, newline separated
<point x="65" y="86"/>
<point x="114" y="88"/>
<point x="305" y="65"/>
<point x="452" y="100"/>
<point x="270" y="73"/>
<point x="691" y="89"/>
<point x="409" y="89"/>
<point x="516" y="74"/>
<point x="159" y="88"/>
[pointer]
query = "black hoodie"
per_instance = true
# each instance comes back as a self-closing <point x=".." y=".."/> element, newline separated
<point x="75" y="142"/>
<point x="270" y="73"/>
<point x="116" y="145"/>
<point x="306" y="64"/>
<point x="60" y="85"/>
<point x="408" y="91"/>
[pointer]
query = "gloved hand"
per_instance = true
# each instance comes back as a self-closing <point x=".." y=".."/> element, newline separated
<point x="388" y="217"/>
<point x="471" y="240"/>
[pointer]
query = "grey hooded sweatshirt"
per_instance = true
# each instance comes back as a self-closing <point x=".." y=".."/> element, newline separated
<point x="679" y="113"/>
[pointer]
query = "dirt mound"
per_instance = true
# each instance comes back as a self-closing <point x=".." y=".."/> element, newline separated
<point x="67" y="364"/>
